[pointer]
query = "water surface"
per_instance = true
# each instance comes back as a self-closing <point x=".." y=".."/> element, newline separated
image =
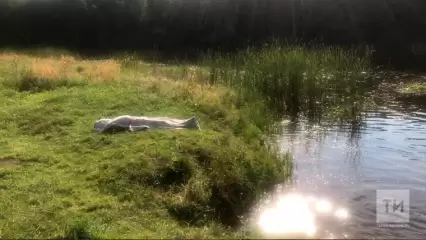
<point x="337" y="171"/>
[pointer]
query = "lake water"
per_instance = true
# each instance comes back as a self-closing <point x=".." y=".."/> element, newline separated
<point x="337" y="172"/>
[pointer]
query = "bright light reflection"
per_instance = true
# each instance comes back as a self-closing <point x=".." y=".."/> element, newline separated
<point x="323" y="206"/>
<point x="341" y="213"/>
<point x="291" y="215"/>
<point x="311" y="199"/>
<point x="296" y="214"/>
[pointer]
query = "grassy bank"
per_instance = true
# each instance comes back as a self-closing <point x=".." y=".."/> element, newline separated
<point x="413" y="88"/>
<point x="402" y="88"/>
<point x="59" y="178"/>
<point x="413" y="92"/>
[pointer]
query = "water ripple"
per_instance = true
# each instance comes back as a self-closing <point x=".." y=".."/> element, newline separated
<point x="347" y="165"/>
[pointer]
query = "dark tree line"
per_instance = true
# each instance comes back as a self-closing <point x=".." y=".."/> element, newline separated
<point x="396" y="28"/>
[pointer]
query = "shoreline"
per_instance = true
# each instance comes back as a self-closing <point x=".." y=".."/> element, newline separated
<point x="66" y="180"/>
<point x="408" y="89"/>
<point x="158" y="183"/>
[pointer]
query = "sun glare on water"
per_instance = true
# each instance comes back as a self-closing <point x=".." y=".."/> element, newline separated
<point x="323" y="206"/>
<point x="294" y="214"/>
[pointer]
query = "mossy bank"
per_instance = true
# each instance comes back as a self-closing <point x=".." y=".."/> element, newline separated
<point x="60" y="179"/>
<point x="404" y="88"/>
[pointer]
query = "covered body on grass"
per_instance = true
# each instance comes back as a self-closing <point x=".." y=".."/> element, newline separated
<point x="162" y="184"/>
<point x="141" y="123"/>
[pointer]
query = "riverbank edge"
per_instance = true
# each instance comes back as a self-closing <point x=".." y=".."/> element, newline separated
<point x="70" y="182"/>
<point x="403" y="88"/>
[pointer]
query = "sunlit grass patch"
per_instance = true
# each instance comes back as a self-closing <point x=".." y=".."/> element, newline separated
<point x="69" y="68"/>
<point x="413" y="88"/>
<point x="63" y="67"/>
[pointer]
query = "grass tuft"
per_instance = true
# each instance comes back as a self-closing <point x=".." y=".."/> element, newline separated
<point x="78" y="231"/>
<point x="30" y="82"/>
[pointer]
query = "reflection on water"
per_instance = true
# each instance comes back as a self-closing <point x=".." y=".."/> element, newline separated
<point x="294" y="214"/>
<point x="272" y="220"/>
<point x="337" y="171"/>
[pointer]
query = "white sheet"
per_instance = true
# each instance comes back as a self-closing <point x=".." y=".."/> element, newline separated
<point x="141" y="123"/>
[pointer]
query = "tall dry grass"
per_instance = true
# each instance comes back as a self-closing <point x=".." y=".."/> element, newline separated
<point x="29" y="73"/>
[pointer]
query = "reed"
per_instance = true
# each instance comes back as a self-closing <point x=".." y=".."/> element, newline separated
<point x="296" y="81"/>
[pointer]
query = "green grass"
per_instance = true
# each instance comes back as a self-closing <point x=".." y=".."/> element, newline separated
<point x="60" y="179"/>
<point x="297" y="81"/>
<point x="413" y="88"/>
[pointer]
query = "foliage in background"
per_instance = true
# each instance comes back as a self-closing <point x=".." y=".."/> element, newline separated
<point x="392" y="28"/>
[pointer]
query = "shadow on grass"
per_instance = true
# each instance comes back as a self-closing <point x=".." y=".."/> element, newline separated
<point x="29" y="83"/>
<point x="219" y="208"/>
<point x="78" y="231"/>
<point x="11" y="162"/>
<point x="197" y="177"/>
